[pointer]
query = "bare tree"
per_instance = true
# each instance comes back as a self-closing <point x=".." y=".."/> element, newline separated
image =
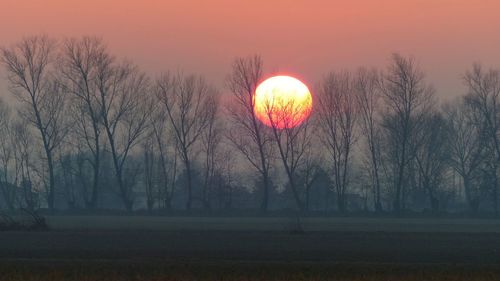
<point x="150" y="178"/>
<point x="408" y="98"/>
<point x="467" y="148"/>
<point x="224" y="181"/>
<point x="292" y="137"/>
<point x="187" y="101"/>
<point x="7" y="169"/>
<point x="211" y="140"/>
<point x="125" y="105"/>
<point x="248" y="135"/>
<point x="28" y="65"/>
<point x="23" y="154"/>
<point x="337" y="115"/>
<point x="484" y="97"/>
<point x="368" y="103"/>
<point x="67" y="176"/>
<point x="167" y="151"/>
<point x="432" y="157"/>
<point x="81" y="60"/>
<point x="310" y="170"/>
<point x="160" y="161"/>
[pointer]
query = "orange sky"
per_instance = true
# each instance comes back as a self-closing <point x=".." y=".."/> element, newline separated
<point x="302" y="37"/>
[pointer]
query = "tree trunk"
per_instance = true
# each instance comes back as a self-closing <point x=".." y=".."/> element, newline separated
<point x="150" y="206"/>
<point x="265" y="193"/>
<point x="341" y="204"/>
<point x="307" y="198"/>
<point x="434" y="204"/>
<point x="378" y="202"/>
<point x="95" y="184"/>
<point x="127" y="202"/>
<point x="168" y="203"/>
<point x="189" y="184"/>
<point x="473" y="202"/>
<point x="7" y="195"/>
<point x="495" y="192"/>
<point x="51" y="195"/>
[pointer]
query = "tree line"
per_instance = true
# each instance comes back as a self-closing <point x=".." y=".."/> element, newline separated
<point x="88" y="130"/>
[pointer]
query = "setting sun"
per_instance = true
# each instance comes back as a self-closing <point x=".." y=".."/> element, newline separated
<point x="282" y="102"/>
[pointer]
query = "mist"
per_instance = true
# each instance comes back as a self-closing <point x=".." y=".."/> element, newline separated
<point x="137" y="141"/>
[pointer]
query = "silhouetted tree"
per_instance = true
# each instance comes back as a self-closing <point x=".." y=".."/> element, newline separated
<point x="247" y="134"/>
<point x="167" y="151"/>
<point x="23" y="153"/>
<point x="407" y="97"/>
<point x="310" y="170"/>
<point x="368" y="95"/>
<point x="211" y="141"/>
<point x="337" y="114"/>
<point x="224" y="181"/>
<point x="432" y="156"/>
<point x="8" y="171"/>
<point x="292" y="139"/>
<point x="67" y="178"/>
<point x="80" y="62"/>
<point x="484" y="97"/>
<point x="150" y="178"/>
<point x="125" y="106"/>
<point x="467" y="148"/>
<point x="188" y="103"/>
<point x="29" y="64"/>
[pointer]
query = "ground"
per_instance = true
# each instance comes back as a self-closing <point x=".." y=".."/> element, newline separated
<point x="209" y="248"/>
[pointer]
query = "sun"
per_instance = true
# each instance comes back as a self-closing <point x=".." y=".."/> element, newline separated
<point x="282" y="102"/>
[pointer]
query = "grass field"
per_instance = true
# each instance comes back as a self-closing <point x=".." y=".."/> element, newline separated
<point x="163" y="248"/>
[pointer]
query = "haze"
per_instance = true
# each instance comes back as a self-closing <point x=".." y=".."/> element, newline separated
<point x="304" y="38"/>
<point x="110" y="171"/>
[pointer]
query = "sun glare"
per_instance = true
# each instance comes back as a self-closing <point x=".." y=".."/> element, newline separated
<point x="282" y="102"/>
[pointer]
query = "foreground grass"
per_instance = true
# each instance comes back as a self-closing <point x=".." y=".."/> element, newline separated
<point x="94" y="271"/>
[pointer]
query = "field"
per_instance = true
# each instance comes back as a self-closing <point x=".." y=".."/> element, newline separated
<point x="242" y="272"/>
<point x="166" y="248"/>
<point x="332" y="224"/>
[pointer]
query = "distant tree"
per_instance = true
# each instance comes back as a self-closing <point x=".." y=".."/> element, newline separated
<point x="188" y="104"/>
<point x="310" y="171"/>
<point x="24" y="154"/>
<point x="80" y="62"/>
<point x="29" y="64"/>
<point x="67" y="178"/>
<point x="211" y="141"/>
<point x="432" y="157"/>
<point x="160" y="161"/>
<point x="248" y="135"/>
<point x="224" y="177"/>
<point x="337" y="114"/>
<point x="125" y="105"/>
<point x="488" y="176"/>
<point x="167" y="155"/>
<point x="8" y="171"/>
<point x="368" y="95"/>
<point x="484" y="97"/>
<point x="407" y="98"/>
<point x="467" y="148"/>
<point x="150" y="177"/>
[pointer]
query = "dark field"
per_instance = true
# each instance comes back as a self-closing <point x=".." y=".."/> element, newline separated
<point x="100" y="271"/>
<point x="78" y="248"/>
<point x="355" y="247"/>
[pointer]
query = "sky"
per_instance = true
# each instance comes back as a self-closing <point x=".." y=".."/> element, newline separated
<point x="305" y="38"/>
